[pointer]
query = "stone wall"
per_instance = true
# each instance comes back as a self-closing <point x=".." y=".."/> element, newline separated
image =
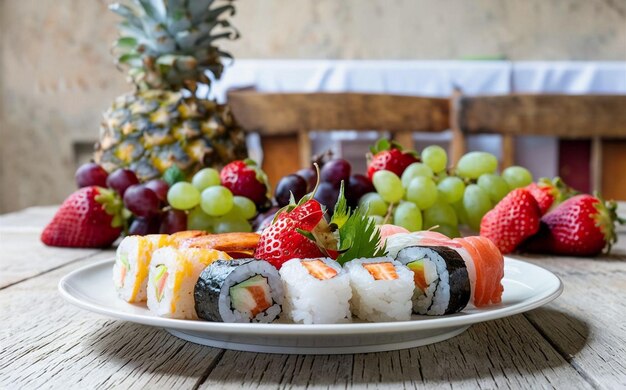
<point x="57" y="76"/>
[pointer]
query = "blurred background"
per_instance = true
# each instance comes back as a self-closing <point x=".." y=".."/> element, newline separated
<point x="57" y="74"/>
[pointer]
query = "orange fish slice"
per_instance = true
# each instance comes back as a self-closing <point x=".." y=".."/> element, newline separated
<point x="237" y="243"/>
<point x="381" y="271"/>
<point x="318" y="269"/>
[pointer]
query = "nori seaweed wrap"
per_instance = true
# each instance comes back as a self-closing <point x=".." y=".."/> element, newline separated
<point x="442" y="284"/>
<point x="246" y="290"/>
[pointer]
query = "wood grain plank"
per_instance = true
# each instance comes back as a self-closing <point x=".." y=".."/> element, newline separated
<point x="589" y="312"/>
<point x="507" y="353"/>
<point x="32" y="219"/>
<point x="23" y="255"/>
<point x="565" y="116"/>
<point x="49" y="343"/>
<point x="285" y="113"/>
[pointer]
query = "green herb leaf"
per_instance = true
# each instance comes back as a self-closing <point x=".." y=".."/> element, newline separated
<point x="341" y="212"/>
<point x="359" y="237"/>
<point x="173" y="175"/>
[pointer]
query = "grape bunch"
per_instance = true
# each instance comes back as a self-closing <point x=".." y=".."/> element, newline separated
<point x="428" y="195"/>
<point x="331" y="175"/>
<point x="212" y="201"/>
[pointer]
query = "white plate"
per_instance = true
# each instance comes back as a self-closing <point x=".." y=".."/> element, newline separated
<point x="526" y="287"/>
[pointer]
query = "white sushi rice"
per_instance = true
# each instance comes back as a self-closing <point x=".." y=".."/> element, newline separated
<point x="309" y="300"/>
<point x="131" y="280"/>
<point x="183" y="269"/>
<point x="380" y="300"/>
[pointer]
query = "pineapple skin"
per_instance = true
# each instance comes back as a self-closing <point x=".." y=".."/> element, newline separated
<point x="148" y="131"/>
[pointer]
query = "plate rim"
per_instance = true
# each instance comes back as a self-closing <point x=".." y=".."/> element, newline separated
<point x="287" y="330"/>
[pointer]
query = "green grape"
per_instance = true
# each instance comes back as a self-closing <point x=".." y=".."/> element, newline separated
<point x="414" y="170"/>
<point x="495" y="186"/>
<point x="440" y="213"/>
<point x="408" y="216"/>
<point x="388" y="185"/>
<point x="460" y="212"/>
<point x="377" y="219"/>
<point x="374" y="204"/>
<point x="183" y="196"/>
<point x="232" y="223"/>
<point x="199" y="220"/>
<point x="422" y="191"/>
<point x="448" y="230"/>
<point x="435" y="157"/>
<point x="206" y="177"/>
<point x="476" y="203"/>
<point x="474" y="164"/>
<point x="517" y="177"/>
<point x="216" y="201"/>
<point x="452" y="188"/>
<point x="244" y="206"/>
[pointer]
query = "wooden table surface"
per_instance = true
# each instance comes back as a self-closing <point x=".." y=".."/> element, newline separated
<point x="577" y="341"/>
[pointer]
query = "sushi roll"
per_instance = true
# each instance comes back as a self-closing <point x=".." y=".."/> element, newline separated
<point x="173" y="275"/>
<point x="442" y="284"/>
<point x="132" y="259"/>
<point x="317" y="291"/>
<point x="381" y="289"/>
<point x="245" y="290"/>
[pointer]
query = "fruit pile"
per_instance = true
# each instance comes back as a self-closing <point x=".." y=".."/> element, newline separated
<point x="423" y="193"/>
<point x="332" y="174"/>
<point x="108" y="204"/>
<point x="543" y="218"/>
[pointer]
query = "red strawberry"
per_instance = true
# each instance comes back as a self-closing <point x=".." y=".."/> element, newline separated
<point x="389" y="156"/>
<point x="548" y="193"/>
<point x="514" y="219"/>
<point x="281" y="241"/>
<point x="88" y="218"/>
<point x="581" y="226"/>
<point x="245" y="178"/>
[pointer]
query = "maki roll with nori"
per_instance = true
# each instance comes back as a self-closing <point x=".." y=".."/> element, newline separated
<point x="442" y="284"/>
<point x="317" y="291"/>
<point x="381" y="289"/>
<point x="246" y="290"/>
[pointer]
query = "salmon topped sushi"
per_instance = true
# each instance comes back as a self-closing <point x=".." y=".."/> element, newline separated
<point x="381" y="289"/>
<point x="317" y="291"/>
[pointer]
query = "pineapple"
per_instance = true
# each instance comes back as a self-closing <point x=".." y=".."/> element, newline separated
<point x="168" y="48"/>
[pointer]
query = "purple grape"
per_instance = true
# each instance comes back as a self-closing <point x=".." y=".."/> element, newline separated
<point x="310" y="176"/>
<point x="357" y="186"/>
<point x="290" y="184"/>
<point x="121" y="179"/>
<point x="327" y="195"/>
<point x="264" y="219"/>
<point x="335" y="171"/>
<point x="159" y="187"/>
<point x="142" y="226"/>
<point x="141" y="200"/>
<point x="173" y="221"/>
<point x="91" y="174"/>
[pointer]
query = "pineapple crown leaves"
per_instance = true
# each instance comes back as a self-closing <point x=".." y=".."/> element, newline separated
<point x="170" y="44"/>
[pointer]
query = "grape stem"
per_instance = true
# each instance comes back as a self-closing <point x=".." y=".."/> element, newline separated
<point x="388" y="215"/>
